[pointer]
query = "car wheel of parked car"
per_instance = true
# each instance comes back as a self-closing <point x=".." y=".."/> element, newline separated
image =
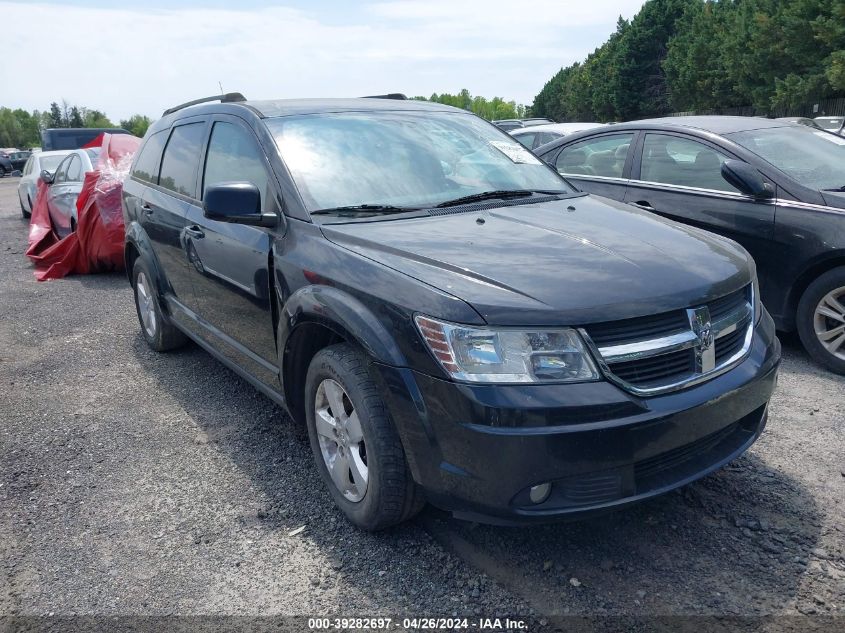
<point x="160" y="334"/>
<point x="24" y="213"/>
<point x="821" y="319"/>
<point x="2" y="171"/>
<point x="355" y="444"/>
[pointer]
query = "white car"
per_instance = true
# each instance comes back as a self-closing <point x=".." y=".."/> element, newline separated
<point x="28" y="185"/>
<point x="537" y="135"/>
<point x="835" y="124"/>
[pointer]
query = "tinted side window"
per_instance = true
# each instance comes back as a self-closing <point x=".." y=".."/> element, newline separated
<point x="602" y="156"/>
<point x="526" y="139"/>
<point x="234" y="156"/>
<point x="181" y="157"/>
<point x="74" y="169"/>
<point x="146" y="166"/>
<point x="678" y="161"/>
<point x="61" y="172"/>
<point x="545" y="137"/>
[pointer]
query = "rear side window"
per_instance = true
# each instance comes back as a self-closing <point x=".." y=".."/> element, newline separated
<point x="181" y="157"/>
<point x="526" y="139"/>
<point x="602" y="156"/>
<point x="146" y="167"/>
<point x="27" y="169"/>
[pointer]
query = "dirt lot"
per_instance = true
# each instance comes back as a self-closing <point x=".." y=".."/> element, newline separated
<point x="138" y="483"/>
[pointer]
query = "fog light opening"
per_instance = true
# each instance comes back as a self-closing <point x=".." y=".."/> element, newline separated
<point x="540" y="492"/>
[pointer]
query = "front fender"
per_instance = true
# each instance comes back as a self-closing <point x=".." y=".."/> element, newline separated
<point x="343" y="314"/>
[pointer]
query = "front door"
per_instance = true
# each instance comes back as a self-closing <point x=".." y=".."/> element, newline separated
<point x="680" y="178"/>
<point x="229" y="263"/>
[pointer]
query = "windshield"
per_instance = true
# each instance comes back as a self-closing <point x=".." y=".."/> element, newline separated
<point x="814" y="158"/>
<point x="832" y="123"/>
<point x="403" y="159"/>
<point x="50" y="162"/>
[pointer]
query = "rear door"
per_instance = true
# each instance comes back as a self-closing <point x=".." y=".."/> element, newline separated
<point x="680" y="177"/>
<point x="599" y="164"/>
<point x="229" y="263"/>
<point x="170" y="160"/>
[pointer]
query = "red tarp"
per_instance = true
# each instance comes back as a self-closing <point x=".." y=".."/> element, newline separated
<point x="97" y="244"/>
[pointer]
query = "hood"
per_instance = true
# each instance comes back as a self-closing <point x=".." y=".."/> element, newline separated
<point x="567" y="262"/>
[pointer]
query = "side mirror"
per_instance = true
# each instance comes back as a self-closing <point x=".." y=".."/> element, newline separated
<point x="748" y="180"/>
<point x="47" y="177"/>
<point x="238" y="203"/>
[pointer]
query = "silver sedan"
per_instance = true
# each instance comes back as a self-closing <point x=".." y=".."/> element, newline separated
<point x="65" y="187"/>
<point x="28" y="185"/>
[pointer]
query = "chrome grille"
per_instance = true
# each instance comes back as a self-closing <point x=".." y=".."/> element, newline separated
<point x="671" y="350"/>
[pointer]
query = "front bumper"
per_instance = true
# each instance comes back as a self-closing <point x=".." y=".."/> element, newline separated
<point x="477" y="449"/>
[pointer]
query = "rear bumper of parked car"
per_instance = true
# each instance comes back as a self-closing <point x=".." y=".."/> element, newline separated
<point x="478" y="449"/>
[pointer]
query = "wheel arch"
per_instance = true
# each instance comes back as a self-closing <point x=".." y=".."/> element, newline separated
<point x="803" y="281"/>
<point x="316" y="317"/>
<point x="136" y="245"/>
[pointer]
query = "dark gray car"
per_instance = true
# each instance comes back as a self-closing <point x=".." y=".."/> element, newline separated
<point x="775" y="187"/>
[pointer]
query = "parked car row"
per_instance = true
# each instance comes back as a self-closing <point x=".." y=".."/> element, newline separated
<point x="512" y="124"/>
<point x="535" y="136"/>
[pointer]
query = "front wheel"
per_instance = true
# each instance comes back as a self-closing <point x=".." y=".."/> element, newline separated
<point x="821" y="319"/>
<point x="24" y="213"/>
<point x="159" y="333"/>
<point x="356" y="447"/>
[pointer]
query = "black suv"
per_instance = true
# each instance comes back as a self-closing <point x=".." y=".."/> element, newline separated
<point x="449" y="318"/>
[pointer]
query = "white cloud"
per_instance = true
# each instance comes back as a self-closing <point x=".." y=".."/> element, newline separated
<point x="143" y="60"/>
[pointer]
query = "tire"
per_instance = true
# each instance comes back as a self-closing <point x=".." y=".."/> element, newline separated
<point x="821" y="320"/>
<point x="72" y="225"/>
<point x="389" y="495"/>
<point x="24" y="213"/>
<point x="2" y="171"/>
<point x="159" y="333"/>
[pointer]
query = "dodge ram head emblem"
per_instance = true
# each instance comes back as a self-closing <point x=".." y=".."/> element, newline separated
<point x="705" y="354"/>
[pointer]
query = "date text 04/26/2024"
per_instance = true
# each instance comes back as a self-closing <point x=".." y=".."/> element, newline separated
<point x="488" y="625"/>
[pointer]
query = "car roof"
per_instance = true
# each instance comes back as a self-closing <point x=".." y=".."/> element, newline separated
<point x="288" y="107"/>
<point x="557" y="127"/>
<point x="712" y="124"/>
<point x="54" y="152"/>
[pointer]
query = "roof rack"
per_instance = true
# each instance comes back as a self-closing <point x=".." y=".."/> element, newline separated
<point x="229" y="97"/>
<point x="393" y="95"/>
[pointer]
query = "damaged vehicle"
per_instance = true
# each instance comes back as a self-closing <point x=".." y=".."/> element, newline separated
<point x="451" y="320"/>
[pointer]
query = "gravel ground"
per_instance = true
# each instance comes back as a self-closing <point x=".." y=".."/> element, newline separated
<point x="136" y="483"/>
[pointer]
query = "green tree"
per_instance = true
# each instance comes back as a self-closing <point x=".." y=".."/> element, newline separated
<point x="490" y="109"/>
<point x="55" y="119"/>
<point x="137" y="124"/>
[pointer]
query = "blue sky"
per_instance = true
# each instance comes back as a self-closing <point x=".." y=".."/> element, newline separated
<point x="145" y="56"/>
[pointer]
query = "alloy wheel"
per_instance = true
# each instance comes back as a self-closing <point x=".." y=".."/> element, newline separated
<point x="145" y="304"/>
<point x="829" y="322"/>
<point x="341" y="440"/>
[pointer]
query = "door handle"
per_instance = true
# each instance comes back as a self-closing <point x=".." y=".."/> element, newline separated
<point x="147" y="209"/>
<point x="195" y="232"/>
<point x="642" y="204"/>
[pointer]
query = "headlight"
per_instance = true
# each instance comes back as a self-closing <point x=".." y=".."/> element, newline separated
<point x="505" y="355"/>
<point x="755" y="300"/>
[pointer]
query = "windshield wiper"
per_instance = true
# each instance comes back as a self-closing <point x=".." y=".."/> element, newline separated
<point x="841" y="189"/>
<point x="502" y="194"/>
<point x="363" y="208"/>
